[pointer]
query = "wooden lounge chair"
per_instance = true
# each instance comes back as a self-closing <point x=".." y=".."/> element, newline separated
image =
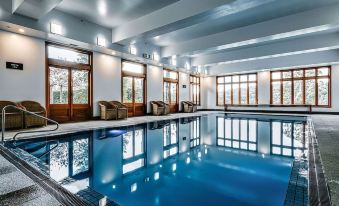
<point x="14" y="117"/>
<point x="31" y="120"/>
<point x="157" y="109"/>
<point x="122" y="110"/>
<point x="108" y="111"/>
<point x="188" y="107"/>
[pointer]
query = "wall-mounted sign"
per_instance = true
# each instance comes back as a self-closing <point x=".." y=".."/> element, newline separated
<point x="146" y="56"/>
<point x="184" y="86"/>
<point x="13" y="65"/>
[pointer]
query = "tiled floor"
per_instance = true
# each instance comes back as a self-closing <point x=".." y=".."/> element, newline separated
<point x="327" y="131"/>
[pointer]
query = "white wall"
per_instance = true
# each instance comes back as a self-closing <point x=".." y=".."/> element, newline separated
<point x="154" y="85"/>
<point x="209" y="93"/>
<point x="106" y="79"/>
<point x="29" y="84"/>
<point x="184" y="93"/>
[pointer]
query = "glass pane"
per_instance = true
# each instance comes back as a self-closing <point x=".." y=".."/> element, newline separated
<point x="252" y="93"/>
<point x="322" y="91"/>
<point x="236" y="128"/>
<point x="287" y="134"/>
<point x="298" y="135"/>
<point x="243" y="93"/>
<point x="323" y="71"/>
<point x="309" y="72"/>
<point x="235" y="93"/>
<point x="287" y="92"/>
<point x="139" y="90"/>
<point x="220" y="127"/>
<point x="166" y="92"/>
<point x="276" y="93"/>
<point x="228" y="128"/>
<point x="220" y="79"/>
<point x="228" y="93"/>
<point x="252" y="130"/>
<point x="67" y="55"/>
<point x="138" y="142"/>
<point x="298" y="73"/>
<point x="298" y="91"/>
<point x="127" y="141"/>
<point x="243" y="129"/>
<point x="228" y="79"/>
<point x="59" y="164"/>
<point x="310" y="91"/>
<point x="80" y="86"/>
<point x="166" y="135"/>
<point x="276" y="75"/>
<point x="127" y="90"/>
<point x="220" y="94"/>
<point x="58" y="85"/>
<point x="276" y="133"/>
<point x="252" y="77"/>
<point x="133" y="67"/>
<point x="243" y="78"/>
<point x="235" y="78"/>
<point x="173" y="93"/>
<point x="80" y="156"/>
<point x="287" y="75"/>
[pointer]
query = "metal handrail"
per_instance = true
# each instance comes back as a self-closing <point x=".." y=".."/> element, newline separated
<point x="48" y="151"/>
<point x="3" y="123"/>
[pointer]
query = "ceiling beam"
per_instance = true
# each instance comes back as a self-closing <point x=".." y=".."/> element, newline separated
<point x="16" y="4"/>
<point x="275" y="49"/>
<point x="181" y="14"/>
<point x="34" y="9"/>
<point x="293" y="61"/>
<point x="305" y="23"/>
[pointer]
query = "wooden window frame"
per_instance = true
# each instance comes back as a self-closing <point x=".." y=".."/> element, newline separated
<point x="170" y="80"/>
<point x="239" y="92"/>
<point x="197" y="96"/>
<point x="303" y="79"/>
<point x="50" y="62"/>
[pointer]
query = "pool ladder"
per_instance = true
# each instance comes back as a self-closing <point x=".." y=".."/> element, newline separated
<point x="3" y="123"/>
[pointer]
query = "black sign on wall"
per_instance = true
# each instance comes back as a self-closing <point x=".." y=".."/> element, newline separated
<point x="13" y="65"/>
<point x="184" y="86"/>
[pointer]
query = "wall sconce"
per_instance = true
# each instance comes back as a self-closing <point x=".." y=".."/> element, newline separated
<point x="187" y="66"/>
<point x="55" y="28"/>
<point x="101" y="41"/>
<point x="156" y="56"/>
<point x="133" y="50"/>
<point x="174" y="60"/>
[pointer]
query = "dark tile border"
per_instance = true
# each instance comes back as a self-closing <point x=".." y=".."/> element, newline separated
<point x="318" y="188"/>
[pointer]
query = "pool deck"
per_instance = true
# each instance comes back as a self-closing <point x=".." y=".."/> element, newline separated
<point x="18" y="189"/>
<point x="327" y="131"/>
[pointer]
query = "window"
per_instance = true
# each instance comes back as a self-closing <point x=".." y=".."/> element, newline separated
<point x="195" y="132"/>
<point x="195" y="89"/>
<point x="170" y="89"/>
<point x="289" y="138"/>
<point x="237" y="133"/>
<point x="170" y="139"/>
<point x="308" y="86"/>
<point x="237" y="89"/>
<point x="67" y="54"/>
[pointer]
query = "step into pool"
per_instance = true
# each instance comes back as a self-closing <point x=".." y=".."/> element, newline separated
<point x="206" y="160"/>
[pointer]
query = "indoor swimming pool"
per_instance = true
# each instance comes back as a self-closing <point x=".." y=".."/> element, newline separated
<point x="212" y="159"/>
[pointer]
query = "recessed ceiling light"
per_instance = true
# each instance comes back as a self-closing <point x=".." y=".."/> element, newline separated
<point x="21" y="30"/>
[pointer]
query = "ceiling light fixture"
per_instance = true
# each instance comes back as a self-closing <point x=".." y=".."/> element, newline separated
<point x="55" y="28"/>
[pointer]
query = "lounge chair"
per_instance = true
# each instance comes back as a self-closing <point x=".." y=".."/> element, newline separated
<point x="189" y="107"/>
<point x="157" y="109"/>
<point x="166" y="106"/>
<point x="14" y="117"/>
<point x="122" y="110"/>
<point x="31" y="120"/>
<point x="108" y="111"/>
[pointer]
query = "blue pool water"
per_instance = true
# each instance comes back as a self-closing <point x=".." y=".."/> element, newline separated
<point x="207" y="160"/>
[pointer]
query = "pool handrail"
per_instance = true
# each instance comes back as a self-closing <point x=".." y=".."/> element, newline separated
<point x="3" y="123"/>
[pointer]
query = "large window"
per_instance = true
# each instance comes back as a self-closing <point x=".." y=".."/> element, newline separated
<point x="195" y="89"/>
<point x="171" y="89"/>
<point x="237" y="89"/>
<point x="310" y="86"/>
<point x="237" y="133"/>
<point x="171" y="139"/>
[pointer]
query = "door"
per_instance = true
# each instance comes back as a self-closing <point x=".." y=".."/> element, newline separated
<point x="134" y="95"/>
<point x="69" y="94"/>
<point x="170" y="95"/>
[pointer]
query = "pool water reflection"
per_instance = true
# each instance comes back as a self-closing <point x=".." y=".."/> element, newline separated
<point x="207" y="160"/>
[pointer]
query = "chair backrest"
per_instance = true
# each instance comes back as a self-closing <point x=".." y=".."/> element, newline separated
<point x="118" y="104"/>
<point x="106" y="104"/>
<point x="5" y="103"/>
<point x="32" y="106"/>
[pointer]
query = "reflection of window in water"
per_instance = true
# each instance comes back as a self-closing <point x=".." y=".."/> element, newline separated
<point x="195" y="132"/>
<point x="237" y="133"/>
<point x="289" y="138"/>
<point x="69" y="158"/>
<point x="133" y="150"/>
<point x="170" y="139"/>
